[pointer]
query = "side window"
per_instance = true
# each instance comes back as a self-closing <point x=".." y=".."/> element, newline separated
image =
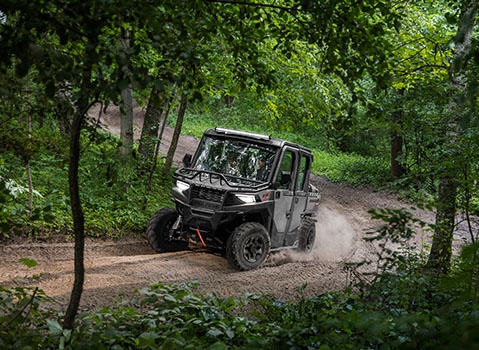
<point x="287" y="165"/>
<point x="303" y="168"/>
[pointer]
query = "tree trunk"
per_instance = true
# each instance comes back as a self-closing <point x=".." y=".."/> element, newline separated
<point x="78" y="222"/>
<point x="163" y="123"/>
<point x="81" y="109"/>
<point x="229" y="100"/>
<point x="64" y="107"/>
<point x="149" y="132"/>
<point x="29" y="135"/>
<point x="441" y="250"/>
<point x="397" y="168"/>
<point x="397" y="165"/>
<point x="126" y="108"/>
<point x="176" y="135"/>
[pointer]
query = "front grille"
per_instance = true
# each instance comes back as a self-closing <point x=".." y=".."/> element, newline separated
<point x="207" y="194"/>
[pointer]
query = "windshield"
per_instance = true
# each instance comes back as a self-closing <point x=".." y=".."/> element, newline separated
<point x="235" y="159"/>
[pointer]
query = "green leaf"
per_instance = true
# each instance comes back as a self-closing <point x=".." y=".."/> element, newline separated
<point x="149" y="336"/>
<point x="214" y="332"/>
<point x="450" y="17"/>
<point x="54" y="327"/>
<point x="218" y="346"/>
<point x="48" y="218"/>
<point x="28" y="262"/>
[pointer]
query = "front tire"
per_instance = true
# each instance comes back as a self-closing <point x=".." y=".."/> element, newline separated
<point x="307" y="236"/>
<point x="158" y="232"/>
<point x="248" y="246"/>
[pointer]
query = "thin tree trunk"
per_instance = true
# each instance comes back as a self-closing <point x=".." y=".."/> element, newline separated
<point x="441" y="250"/>
<point x="82" y="107"/>
<point x="126" y="125"/>
<point x="78" y="222"/>
<point x="64" y="108"/>
<point x="229" y="100"/>
<point x="176" y="135"/>
<point x="397" y="167"/>
<point x="149" y="132"/>
<point x="29" y="133"/>
<point x="163" y="125"/>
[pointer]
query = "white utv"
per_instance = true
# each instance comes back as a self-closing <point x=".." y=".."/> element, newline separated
<point x="245" y="193"/>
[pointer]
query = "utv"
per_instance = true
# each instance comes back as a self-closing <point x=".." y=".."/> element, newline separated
<point x="245" y="193"/>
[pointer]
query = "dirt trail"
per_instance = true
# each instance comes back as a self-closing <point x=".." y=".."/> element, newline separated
<point x="122" y="266"/>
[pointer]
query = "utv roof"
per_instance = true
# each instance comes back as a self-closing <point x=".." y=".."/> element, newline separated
<point x="251" y="136"/>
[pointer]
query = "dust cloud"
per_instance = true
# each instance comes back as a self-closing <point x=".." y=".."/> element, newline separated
<point x="334" y="236"/>
<point x="335" y="239"/>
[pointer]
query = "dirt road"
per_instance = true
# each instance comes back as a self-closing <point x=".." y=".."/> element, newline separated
<point x="119" y="267"/>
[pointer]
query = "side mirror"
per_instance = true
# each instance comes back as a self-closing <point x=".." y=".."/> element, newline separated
<point x="187" y="160"/>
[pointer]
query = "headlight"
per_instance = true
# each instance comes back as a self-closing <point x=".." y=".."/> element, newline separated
<point x="245" y="198"/>
<point x="182" y="186"/>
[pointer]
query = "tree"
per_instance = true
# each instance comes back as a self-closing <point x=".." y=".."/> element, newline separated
<point x="441" y="250"/>
<point x="397" y="164"/>
<point x="126" y="106"/>
<point x="149" y="131"/>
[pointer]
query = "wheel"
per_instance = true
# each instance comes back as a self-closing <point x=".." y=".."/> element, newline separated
<point x="158" y="232"/>
<point x="307" y="236"/>
<point x="248" y="246"/>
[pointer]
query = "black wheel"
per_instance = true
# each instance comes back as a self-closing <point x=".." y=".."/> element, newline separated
<point x="248" y="246"/>
<point x="307" y="236"/>
<point x="159" y="230"/>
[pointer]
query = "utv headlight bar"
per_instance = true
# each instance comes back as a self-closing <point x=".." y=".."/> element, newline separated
<point x="182" y="186"/>
<point x="246" y="198"/>
<point x="243" y="133"/>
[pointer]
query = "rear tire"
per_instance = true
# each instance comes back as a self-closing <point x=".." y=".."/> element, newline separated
<point x="158" y="232"/>
<point x="248" y="246"/>
<point x="307" y="236"/>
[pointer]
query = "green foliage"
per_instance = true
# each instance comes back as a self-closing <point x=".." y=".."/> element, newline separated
<point x="351" y="168"/>
<point x="169" y="317"/>
<point x="28" y="262"/>
<point x="8" y="222"/>
<point x="113" y="195"/>
<point x="22" y="318"/>
<point x="466" y="272"/>
<point x="404" y="309"/>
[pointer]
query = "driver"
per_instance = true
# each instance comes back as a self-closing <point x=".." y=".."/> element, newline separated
<point x="261" y="173"/>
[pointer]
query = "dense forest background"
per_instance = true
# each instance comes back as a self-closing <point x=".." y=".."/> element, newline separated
<point x="384" y="93"/>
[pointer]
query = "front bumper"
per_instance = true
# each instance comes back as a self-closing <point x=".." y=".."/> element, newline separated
<point x="215" y="225"/>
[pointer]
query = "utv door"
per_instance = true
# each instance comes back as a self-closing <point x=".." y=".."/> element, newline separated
<point x="300" y="198"/>
<point x="291" y="197"/>
<point x="284" y="195"/>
